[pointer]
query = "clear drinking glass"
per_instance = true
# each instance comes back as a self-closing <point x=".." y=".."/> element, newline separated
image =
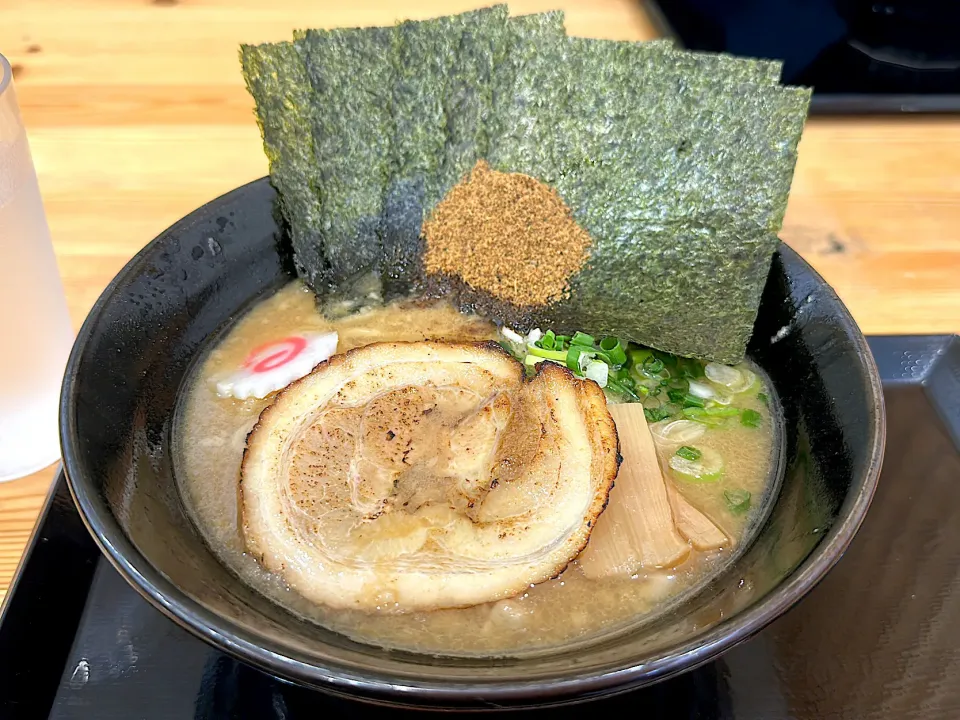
<point x="35" y="330"/>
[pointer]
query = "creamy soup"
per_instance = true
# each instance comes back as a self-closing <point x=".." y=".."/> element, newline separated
<point x="211" y="433"/>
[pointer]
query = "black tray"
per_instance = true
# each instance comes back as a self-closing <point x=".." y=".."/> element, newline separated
<point x="878" y="638"/>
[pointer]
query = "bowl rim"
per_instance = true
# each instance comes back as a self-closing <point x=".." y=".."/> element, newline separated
<point x="276" y="659"/>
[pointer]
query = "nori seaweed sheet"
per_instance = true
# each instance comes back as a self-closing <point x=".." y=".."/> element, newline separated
<point x="468" y="101"/>
<point x="680" y="177"/>
<point x="684" y="221"/>
<point x="440" y="102"/>
<point x="729" y="68"/>
<point x="529" y="89"/>
<point x="423" y="56"/>
<point x="719" y="66"/>
<point x="678" y="164"/>
<point x="276" y="78"/>
<point x="398" y="117"/>
<point x="350" y="73"/>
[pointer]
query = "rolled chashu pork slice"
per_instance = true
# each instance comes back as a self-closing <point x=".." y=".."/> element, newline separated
<point x="426" y="475"/>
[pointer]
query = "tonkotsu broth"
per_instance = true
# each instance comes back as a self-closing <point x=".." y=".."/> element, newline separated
<point x="211" y="432"/>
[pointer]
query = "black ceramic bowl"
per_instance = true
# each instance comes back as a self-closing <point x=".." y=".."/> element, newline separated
<point x="153" y="321"/>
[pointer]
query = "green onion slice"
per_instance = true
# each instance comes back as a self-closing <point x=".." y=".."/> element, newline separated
<point x="685" y="399"/>
<point x="705" y="416"/>
<point x="738" y="500"/>
<point x="548" y="354"/>
<point x="598" y="371"/>
<point x="614" y="386"/>
<point x="678" y="431"/>
<point x="657" y="414"/>
<point x="614" y="349"/>
<point x="652" y="366"/>
<point x="688" y="453"/>
<point x="706" y="469"/>
<point x="636" y="356"/>
<point x="573" y="357"/>
<point x="506" y="346"/>
<point x="735" y="380"/>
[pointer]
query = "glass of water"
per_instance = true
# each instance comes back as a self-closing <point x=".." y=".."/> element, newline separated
<point x="35" y="330"/>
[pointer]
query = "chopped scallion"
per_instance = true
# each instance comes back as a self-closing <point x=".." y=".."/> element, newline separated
<point x="689" y="453"/>
<point x="707" y="468"/>
<point x="690" y="369"/>
<point x="751" y="418"/>
<point x="616" y="387"/>
<point x="576" y="356"/>
<point x="656" y="414"/>
<point x="668" y="360"/>
<point x="701" y="415"/>
<point x="506" y="346"/>
<point x="762" y="397"/>
<point x="598" y="371"/>
<point x="636" y="356"/>
<point x="652" y="365"/>
<point x="548" y="354"/>
<point x="598" y="353"/>
<point x="738" y="500"/>
<point x="614" y="349"/>
<point x="548" y="341"/>
<point x="580" y="338"/>
<point x="685" y="399"/>
<point x="512" y="336"/>
<point x="701" y="390"/>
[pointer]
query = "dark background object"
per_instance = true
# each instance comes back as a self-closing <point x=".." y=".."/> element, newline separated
<point x="877" y="638"/>
<point x="858" y="55"/>
<point x="152" y="323"/>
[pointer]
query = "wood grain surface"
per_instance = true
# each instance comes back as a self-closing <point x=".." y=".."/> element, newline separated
<point x="137" y="114"/>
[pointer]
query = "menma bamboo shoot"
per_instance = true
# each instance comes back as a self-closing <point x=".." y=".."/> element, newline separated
<point x="637" y="530"/>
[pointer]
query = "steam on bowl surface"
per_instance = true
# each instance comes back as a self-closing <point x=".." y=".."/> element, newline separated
<point x="151" y="325"/>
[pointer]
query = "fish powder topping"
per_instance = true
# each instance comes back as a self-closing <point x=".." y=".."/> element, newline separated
<point x="507" y="234"/>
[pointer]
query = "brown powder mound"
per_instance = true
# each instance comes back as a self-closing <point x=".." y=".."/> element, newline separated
<point x="507" y="234"/>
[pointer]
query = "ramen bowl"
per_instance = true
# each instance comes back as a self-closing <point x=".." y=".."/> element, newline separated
<point x="152" y="324"/>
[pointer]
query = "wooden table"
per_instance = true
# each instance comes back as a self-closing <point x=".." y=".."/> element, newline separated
<point x="137" y="114"/>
